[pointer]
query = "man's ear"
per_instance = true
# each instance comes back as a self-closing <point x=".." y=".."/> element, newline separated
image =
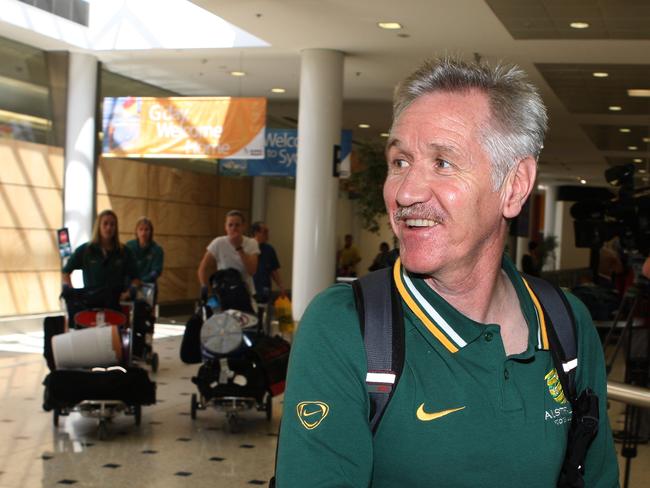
<point x="518" y="186"/>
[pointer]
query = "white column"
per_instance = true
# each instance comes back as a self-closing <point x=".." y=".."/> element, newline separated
<point x="79" y="165"/>
<point x="319" y="129"/>
<point x="550" y="200"/>
<point x="258" y="207"/>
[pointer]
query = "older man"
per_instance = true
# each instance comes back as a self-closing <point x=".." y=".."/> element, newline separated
<point x="474" y="406"/>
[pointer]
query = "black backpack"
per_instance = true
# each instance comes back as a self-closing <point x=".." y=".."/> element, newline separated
<point x="382" y="327"/>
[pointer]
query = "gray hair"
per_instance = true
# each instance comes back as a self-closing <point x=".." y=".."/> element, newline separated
<point x="518" y="120"/>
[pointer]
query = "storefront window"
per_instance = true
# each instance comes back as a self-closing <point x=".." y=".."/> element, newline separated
<point x="25" y="102"/>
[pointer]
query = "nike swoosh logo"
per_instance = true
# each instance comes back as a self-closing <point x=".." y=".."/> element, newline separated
<point x="426" y="417"/>
<point x="305" y="414"/>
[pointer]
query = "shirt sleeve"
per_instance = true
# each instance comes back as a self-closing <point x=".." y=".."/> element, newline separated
<point x="325" y="437"/>
<point x="275" y="263"/>
<point x="130" y="264"/>
<point x="76" y="260"/>
<point x="157" y="259"/>
<point x="601" y="465"/>
<point x="251" y="246"/>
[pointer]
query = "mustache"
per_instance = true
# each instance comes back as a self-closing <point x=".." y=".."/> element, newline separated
<point x="419" y="211"/>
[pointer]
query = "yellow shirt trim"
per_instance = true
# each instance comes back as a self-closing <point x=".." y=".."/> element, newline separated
<point x="415" y="308"/>
<point x="540" y="315"/>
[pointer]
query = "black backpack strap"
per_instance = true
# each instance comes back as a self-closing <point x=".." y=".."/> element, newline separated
<point x="561" y="330"/>
<point x="382" y="327"/>
<point x="562" y="336"/>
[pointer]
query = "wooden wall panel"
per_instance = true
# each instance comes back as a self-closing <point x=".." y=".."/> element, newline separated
<point x="172" y="184"/>
<point x="29" y="207"/>
<point x="26" y="163"/>
<point x="234" y="193"/>
<point x="8" y="301"/>
<point x="33" y="292"/>
<point x="28" y="250"/>
<point x="121" y="177"/>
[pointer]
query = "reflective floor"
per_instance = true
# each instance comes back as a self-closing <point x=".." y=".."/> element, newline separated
<point x="169" y="449"/>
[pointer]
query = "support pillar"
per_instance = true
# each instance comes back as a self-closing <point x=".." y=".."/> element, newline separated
<point x="319" y="129"/>
<point x="258" y="207"/>
<point x="79" y="162"/>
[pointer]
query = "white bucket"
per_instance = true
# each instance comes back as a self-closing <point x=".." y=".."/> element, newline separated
<point x="86" y="348"/>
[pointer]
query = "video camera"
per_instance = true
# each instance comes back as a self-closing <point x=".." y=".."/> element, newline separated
<point x="626" y="216"/>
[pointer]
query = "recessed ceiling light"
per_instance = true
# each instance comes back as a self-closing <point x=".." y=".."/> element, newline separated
<point x="638" y="92"/>
<point x="364" y="126"/>
<point x="632" y="148"/>
<point x="646" y="139"/>
<point x="637" y="160"/>
<point x="384" y="134"/>
<point x="642" y="171"/>
<point x="645" y="178"/>
<point x="583" y="181"/>
<point x="579" y="25"/>
<point x="615" y="108"/>
<point x="389" y="25"/>
<point x="624" y="130"/>
<point x="238" y="73"/>
<point x="600" y="74"/>
<point x="278" y="90"/>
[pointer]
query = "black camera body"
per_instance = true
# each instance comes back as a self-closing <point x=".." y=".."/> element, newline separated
<point x="626" y="216"/>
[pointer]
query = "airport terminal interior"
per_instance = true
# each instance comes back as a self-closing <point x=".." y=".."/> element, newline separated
<point x="182" y="111"/>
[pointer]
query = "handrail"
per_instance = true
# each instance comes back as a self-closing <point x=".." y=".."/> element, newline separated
<point x="632" y="395"/>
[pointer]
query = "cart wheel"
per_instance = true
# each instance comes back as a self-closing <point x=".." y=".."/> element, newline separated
<point x="137" y="413"/>
<point x="268" y="406"/>
<point x="55" y="417"/>
<point x="194" y="407"/>
<point x="102" y="430"/>
<point x="154" y="362"/>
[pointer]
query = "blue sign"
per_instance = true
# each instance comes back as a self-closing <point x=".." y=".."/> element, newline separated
<point x="281" y="155"/>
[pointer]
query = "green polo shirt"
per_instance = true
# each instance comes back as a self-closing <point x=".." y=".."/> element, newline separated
<point x="149" y="259"/>
<point x="463" y="414"/>
<point x="114" y="270"/>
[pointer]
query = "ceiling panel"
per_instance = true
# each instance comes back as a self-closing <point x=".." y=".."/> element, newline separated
<point x="550" y="19"/>
<point x="581" y="92"/>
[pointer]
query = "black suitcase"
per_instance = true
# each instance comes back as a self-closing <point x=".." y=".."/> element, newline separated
<point x="65" y="388"/>
<point x="191" y="343"/>
<point x="208" y="379"/>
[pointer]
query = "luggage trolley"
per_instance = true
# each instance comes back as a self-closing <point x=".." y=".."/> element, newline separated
<point x="142" y="317"/>
<point x="243" y="368"/>
<point x="91" y="371"/>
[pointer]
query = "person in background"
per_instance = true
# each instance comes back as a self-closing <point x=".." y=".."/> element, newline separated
<point x="530" y="263"/>
<point x="348" y="258"/>
<point x="234" y="250"/>
<point x="383" y="259"/>
<point x="268" y="268"/>
<point x="645" y="270"/>
<point x="268" y="265"/>
<point x="148" y="254"/>
<point x="106" y="263"/>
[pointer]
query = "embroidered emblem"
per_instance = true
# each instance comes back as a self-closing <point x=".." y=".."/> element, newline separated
<point x="311" y="414"/>
<point x="426" y="417"/>
<point x="554" y="386"/>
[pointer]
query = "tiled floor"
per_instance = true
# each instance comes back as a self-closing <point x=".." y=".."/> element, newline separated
<point x="169" y="449"/>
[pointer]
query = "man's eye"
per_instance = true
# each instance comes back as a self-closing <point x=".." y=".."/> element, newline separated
<point x="443" y="164"/>
<point x="399" y="163"/>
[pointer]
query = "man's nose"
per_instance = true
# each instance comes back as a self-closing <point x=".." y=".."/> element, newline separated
<point x="414" y="188"/>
